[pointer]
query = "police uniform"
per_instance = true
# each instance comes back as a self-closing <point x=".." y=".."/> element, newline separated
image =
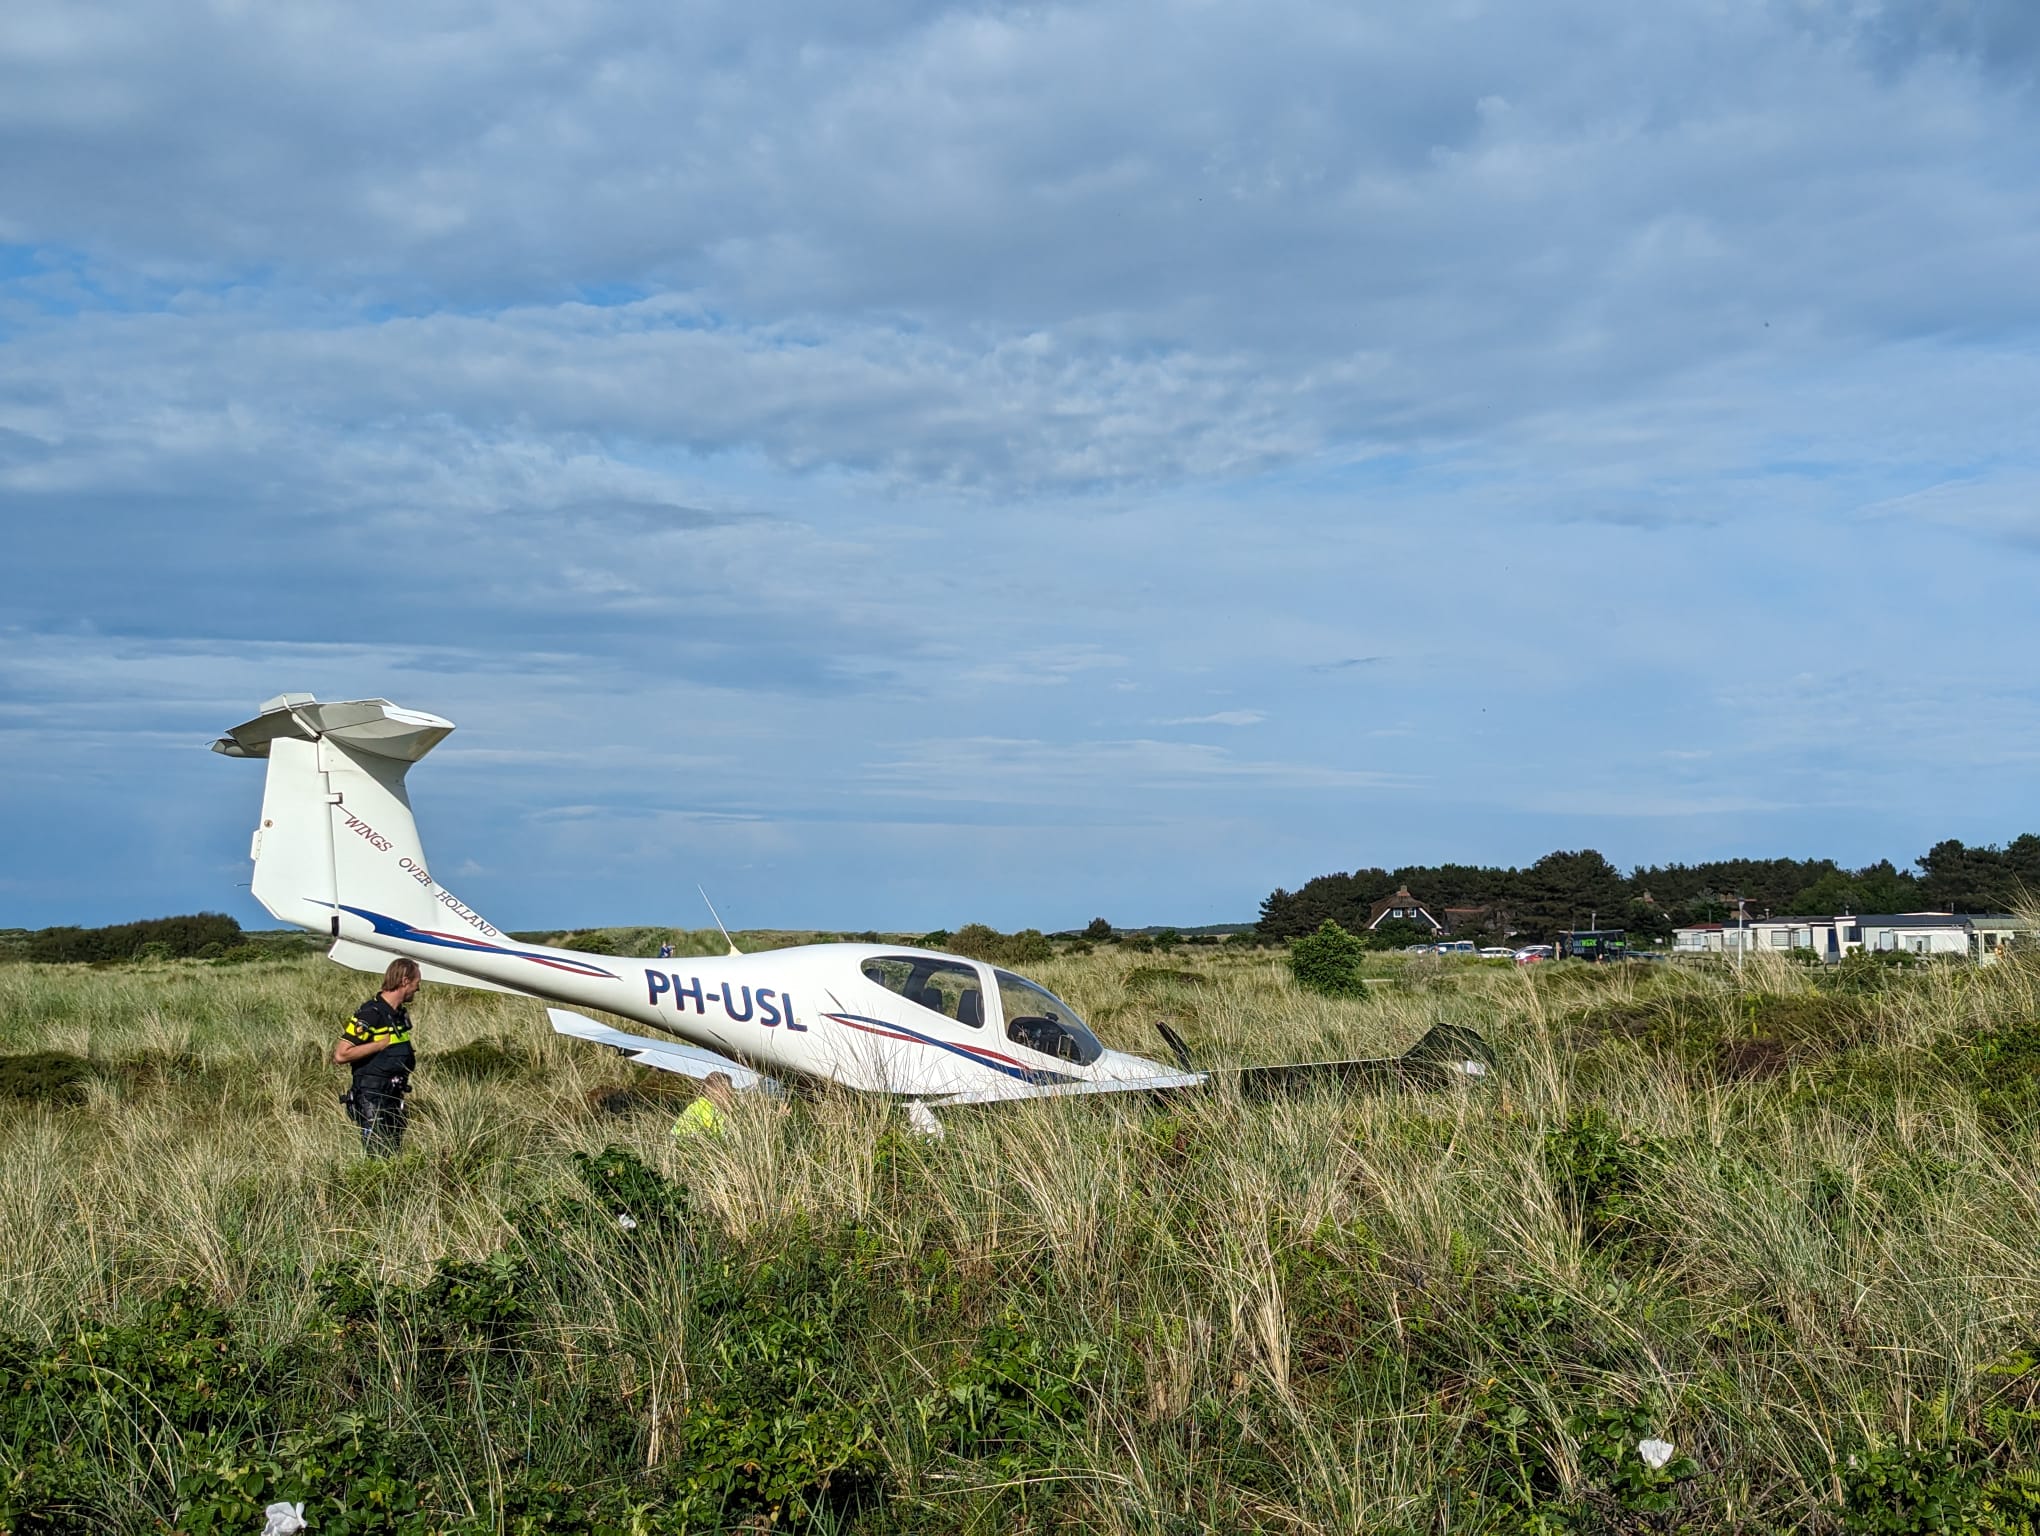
<point x="375" y="1093"/>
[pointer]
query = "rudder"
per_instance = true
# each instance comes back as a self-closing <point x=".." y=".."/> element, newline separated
<point x="338" y="849"/>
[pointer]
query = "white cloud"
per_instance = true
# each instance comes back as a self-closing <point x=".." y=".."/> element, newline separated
<point x="1223" y="717"/>
<point x="1008" y="770"/>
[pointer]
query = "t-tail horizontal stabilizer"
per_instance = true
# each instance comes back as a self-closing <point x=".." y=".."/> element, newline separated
<point x="373" y="726"/>
<point x="666" y="1055"/>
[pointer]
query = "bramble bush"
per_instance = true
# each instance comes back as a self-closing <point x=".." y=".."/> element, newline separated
<point x="1599" y="1170"/>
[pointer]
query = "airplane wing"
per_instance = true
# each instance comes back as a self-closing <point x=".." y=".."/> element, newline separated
<point x="1446" y="1053"/>
<point x="1275" y="1082"/>
<point x="666" y="1055"/>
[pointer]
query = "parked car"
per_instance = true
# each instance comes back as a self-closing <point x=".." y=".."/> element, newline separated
<point x="1497" y="952"/>
<point x="1417" y="949"/>
<point x="1531" y="954"/>
<point x="1455" y="947"/>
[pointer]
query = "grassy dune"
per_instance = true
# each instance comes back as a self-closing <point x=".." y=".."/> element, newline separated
<point x="1786" y="1223"/>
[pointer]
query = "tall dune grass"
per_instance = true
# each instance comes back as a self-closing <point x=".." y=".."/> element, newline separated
<point x="1783" y="1220"/>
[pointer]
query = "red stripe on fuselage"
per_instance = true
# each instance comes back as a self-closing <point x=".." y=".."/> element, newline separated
<point x="976" y="1051"/>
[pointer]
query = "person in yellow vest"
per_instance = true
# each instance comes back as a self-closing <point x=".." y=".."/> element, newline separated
<point x="708" y="1115"/>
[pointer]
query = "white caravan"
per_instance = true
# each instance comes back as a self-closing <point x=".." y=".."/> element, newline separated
<point x="337" y="852"/>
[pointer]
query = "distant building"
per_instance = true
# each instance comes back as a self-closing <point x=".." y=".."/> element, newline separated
<point x="1698" y="939"/>
<point x="1402" y="907"/>
<point x="1478" y="920"/>
<point x="1979" y="936"/>
<point x="1829" y="937"/>
<point x="1919" y="933"/>
<point x="1997" y="931"/>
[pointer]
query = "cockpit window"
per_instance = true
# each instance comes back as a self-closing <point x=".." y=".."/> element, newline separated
<point x="942" y="986"/>
<point x="1041" y="1021"/>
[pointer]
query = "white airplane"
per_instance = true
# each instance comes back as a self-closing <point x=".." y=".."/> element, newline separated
<point x="338" y="853"/>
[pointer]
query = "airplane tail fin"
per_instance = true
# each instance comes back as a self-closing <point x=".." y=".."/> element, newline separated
<point x="338" y="851"/>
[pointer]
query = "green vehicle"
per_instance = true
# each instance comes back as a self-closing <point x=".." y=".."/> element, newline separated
<point x="1595" y="944"/>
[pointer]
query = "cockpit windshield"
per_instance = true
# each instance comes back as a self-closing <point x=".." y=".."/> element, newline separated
<point x="1041" y="1021"/>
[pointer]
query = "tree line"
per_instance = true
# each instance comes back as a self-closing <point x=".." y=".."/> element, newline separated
<point x="201" y="934"/>
<point x="1566" y="890"/>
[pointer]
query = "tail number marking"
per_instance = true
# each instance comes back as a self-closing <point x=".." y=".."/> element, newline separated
<point x="739" y="1004"/>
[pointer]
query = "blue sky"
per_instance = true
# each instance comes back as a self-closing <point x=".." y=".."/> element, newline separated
<point x="908" y="464"/>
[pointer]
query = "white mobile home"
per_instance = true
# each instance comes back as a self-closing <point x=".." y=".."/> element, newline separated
<point x="1918" y="933"/>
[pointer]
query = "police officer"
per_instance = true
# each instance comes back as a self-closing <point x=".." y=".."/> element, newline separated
<point x="376" y="1047"/>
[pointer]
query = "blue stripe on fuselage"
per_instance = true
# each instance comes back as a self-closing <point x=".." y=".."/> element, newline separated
<point x="391" y="928"/>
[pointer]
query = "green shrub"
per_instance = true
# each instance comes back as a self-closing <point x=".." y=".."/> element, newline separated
<point x="782" y="1430"/>
<point x="1599" y="1171"/>
<point x="1148" y="978"/>
<point x="622" y="1184"/>
<point x="1899" y="1490"/>
<point x="1609" y="1435"/>
<point x="978" y="941"/>
<point x="1012" y="1398"/>
<point x="1328" y="961"/>
<point x="2001" y="1065"/>
<point x="177" y="1370"/>
<point x="1398" y="933"/>
<point x="1029" y="946"/>
<point x="44" y="1077"/>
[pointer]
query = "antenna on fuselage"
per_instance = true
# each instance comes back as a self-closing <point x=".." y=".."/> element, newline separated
<point x="718" y="922"/>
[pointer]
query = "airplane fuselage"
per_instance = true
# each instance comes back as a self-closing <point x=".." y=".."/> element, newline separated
<point x="813" y="1011"/>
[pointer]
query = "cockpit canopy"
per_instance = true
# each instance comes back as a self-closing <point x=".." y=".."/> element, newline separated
<point x="1033" y="1017"/>
<point x="951" y="988"/>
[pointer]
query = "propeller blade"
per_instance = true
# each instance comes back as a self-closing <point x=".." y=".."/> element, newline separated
<point x="1176" y="1046"/>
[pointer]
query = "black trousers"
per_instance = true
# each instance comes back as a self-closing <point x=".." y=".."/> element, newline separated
<point x="377" y="1106"/>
